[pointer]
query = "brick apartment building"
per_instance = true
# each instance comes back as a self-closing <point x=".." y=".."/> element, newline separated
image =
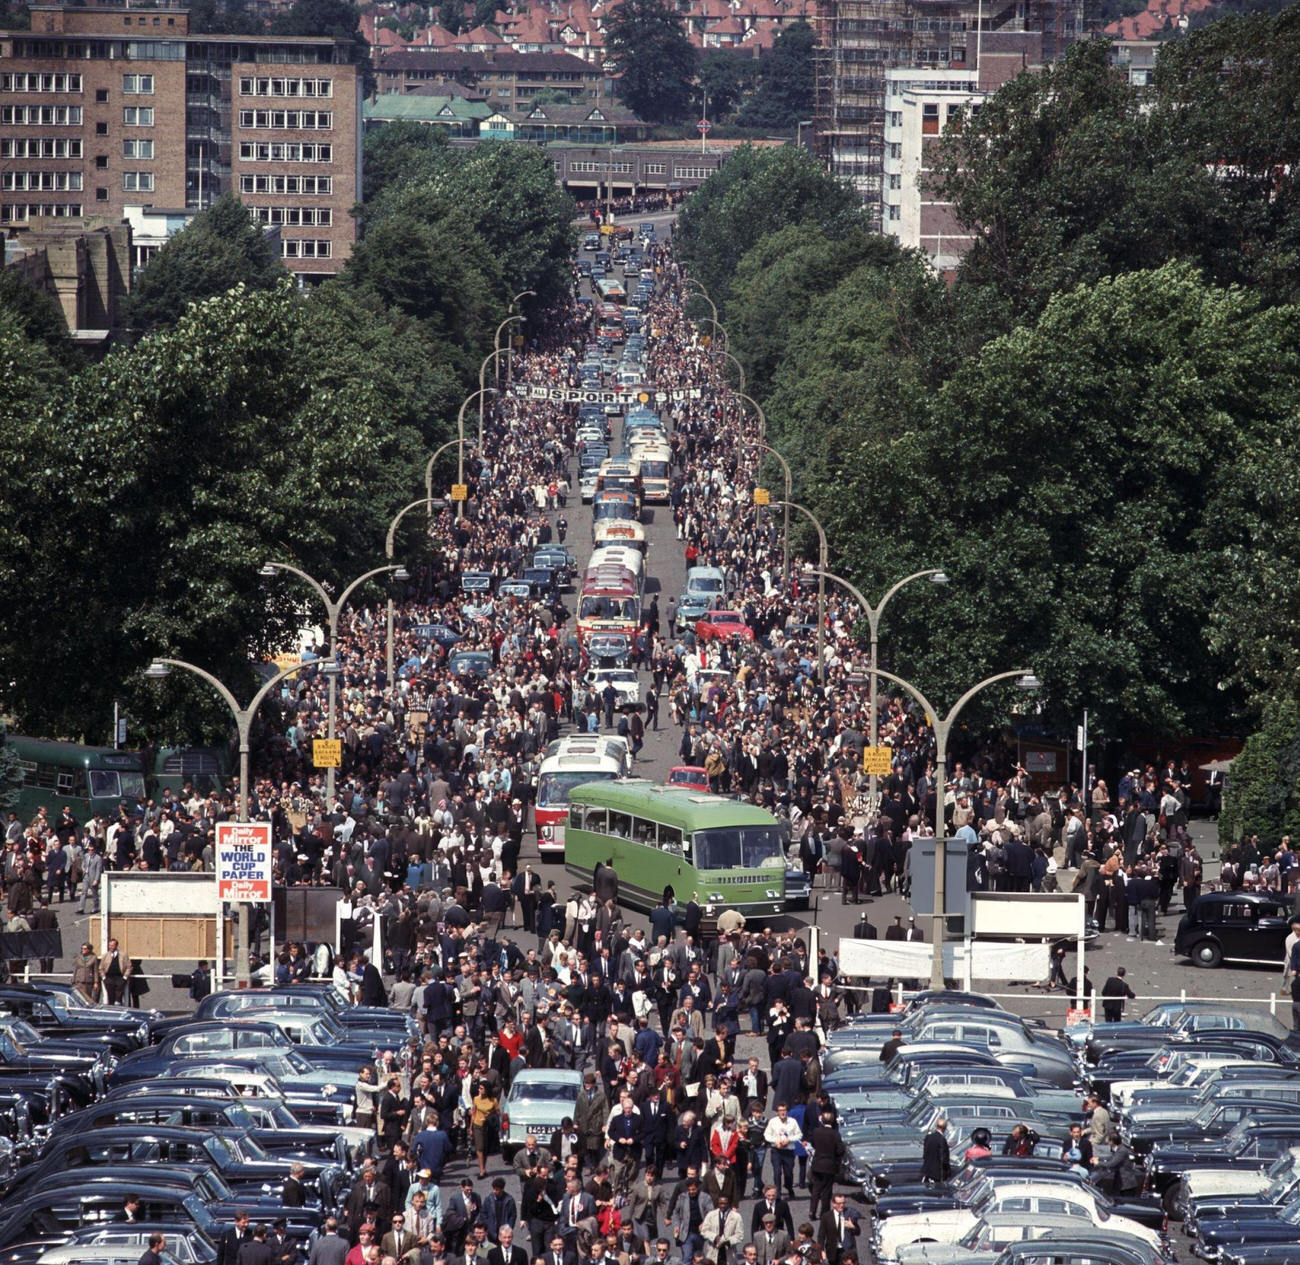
<point x="507" y="80"/>
<point x="108" y="106"/>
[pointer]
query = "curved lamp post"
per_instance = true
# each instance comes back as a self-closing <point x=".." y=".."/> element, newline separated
<point x="482" y="371"/>
<point x="389" y="545"/>
<point x="873" y="613"/>
<point x="785" y="529"/>
<point x="942" y="728"/>
<point x="159" y="670"/>
<point x="333" y="609"/>
<point x="523" y="294"/>
<point x="460" y="431"/>
<point x="821" y="584"/>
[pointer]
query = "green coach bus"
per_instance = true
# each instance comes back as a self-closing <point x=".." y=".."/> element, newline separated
<point x="656" y="837"/>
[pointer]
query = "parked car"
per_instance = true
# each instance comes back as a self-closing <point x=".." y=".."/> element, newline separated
<point x="722" y="626"/>
<point x="538" y="1101"/>
<point x="1234" y="927"/>
<point x="688" y="777"/>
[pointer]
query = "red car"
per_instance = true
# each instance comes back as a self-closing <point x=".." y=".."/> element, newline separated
<point x="723" y="626"/>
<point x="688" y="777"/>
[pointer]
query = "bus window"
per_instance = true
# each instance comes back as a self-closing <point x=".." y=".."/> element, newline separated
<point x="644" y="831"/>
<point x="620" y="824"/>
<point x="596" y="821"/>
<point x="746" y="848"/>
<point x="670" y="839"/>
<point x="104" y="784"/>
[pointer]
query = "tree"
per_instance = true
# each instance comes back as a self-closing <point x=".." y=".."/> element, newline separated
<point x="725" y="75"/>
<point x="223" y="17"/>
<point x="785" y="82"/>
<point x="11" y="775"/>
<point x="1063" y="180"/>
<point x="1075" y="479"/>
<point x="525" y="218"/>
<point x="756" y="192"/>
<point x="1262" y="795"/>
<point x="336" y="18"/>
<point x="220" y="248"/>
<point x="777" y="282"/>
<point x="39" y="316"/>
<point x="653" y="58"/>
<point x="176" y="465"/>
<point x="399" y="152"/>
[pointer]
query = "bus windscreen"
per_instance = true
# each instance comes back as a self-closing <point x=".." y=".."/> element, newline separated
<point x="738" y="848"/>
<point x="553" y="788"/>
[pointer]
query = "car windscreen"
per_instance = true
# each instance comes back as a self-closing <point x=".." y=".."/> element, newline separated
<point x="553" y="788"/>
<point x="542" y="1091"/>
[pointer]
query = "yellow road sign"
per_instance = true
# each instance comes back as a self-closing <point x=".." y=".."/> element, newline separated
<point x="460" y="491"/>
<point x="877" y="760"/>
<point x="327" y="753"/>
<point x="762" y="496"/>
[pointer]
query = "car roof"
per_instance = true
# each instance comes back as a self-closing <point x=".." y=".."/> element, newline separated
<point x="126" y="1174"/>
<point x="546" y="1076"/>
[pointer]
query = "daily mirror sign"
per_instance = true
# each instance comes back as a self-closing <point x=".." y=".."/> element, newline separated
<point x="577" y="395"/>
<point x="244" y="861"/>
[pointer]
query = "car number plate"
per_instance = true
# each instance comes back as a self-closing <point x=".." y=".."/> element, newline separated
<point x="540" y="1130"/>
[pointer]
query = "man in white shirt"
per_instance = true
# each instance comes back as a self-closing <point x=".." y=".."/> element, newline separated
<point x="783" y="1135"/>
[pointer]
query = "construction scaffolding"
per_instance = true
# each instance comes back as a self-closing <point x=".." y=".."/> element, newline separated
<point x="859" y="40"/>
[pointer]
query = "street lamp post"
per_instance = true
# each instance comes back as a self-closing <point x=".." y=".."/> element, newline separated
<point x="785" y="531"/>
<point x="740" y="369"/>
<point x="758" y="408"/>
<point x="873" y="613"/>
<point x="822" y="567"/>
<point x="942" y="728"/>
<point x="400" y="573"/>
<point x="523" y="294"/>
<point x="158" y="670"/>
<point x="428" y="476"/>
<point x="497" y="348"/>
<point x="482" y="385"/>
<point x="333" y="609"/>
<point x="460" y="432"/>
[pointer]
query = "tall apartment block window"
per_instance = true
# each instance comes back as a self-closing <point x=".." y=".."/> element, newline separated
<point x="137" y="85"/>
<point x="33" y="82"/>
<point x="138" y="115"/>
<point x="137" y="181"/>
<point x="288" y="120"/>
<point x="930" y="118"/>
<point x="256" y="86"/>
<point x="34" y="147"/>
<point x="293" y="248"/>
<point x="41" y="115"/>
<point x="137" y="149"/>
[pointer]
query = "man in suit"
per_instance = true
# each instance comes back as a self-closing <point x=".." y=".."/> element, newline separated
<point x="257" y="1251"/>
<point x="577" y="1219"/>
<point x="331" y="1248"/>
<point x="157" y="1243"/>
<point x="828" y="1154"/>
<point x="558" y="1254"/>
<point x="399" y="1242"/>
<point x="913" y="932"/>
<point x="234" y="1239"/>
<point x="837" y="1232"/>
<point x="507" y="1252"/>
<point x="773" y="1245"/>
<point x="648" y="1208"/>
<point x="865" y="929"/>
<point x="294" y="1193"/>
<point x="462" y="1211"/>
<point x="774" y="1206"/>
<point x="786" y="1077"/>
<point x="750" y="1085"/>
<point x="936" y="1158"/>
<point x="285" y="1247"/>
<point x="369" y="1191"/>
<point x="892" y="1046"/>
<point x="692" y="1206"/>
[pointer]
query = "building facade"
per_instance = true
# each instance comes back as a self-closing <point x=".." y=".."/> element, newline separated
<point x="861" y="41"/>
<point x="506" y="79"/>
<point x="101" y="108"/>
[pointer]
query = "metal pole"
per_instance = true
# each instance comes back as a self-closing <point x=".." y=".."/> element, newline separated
<point x="389" y="548"/>
<point x="460" y="431"/>
<point x="428" y="476"/>
<point x="510" y="368"/>
<point x="243" y="977"/>
<point x="823" y="563"/>
<point x="942" y="728"/>
<point x="1083" y="780"/>
<point x="482" y="391"/>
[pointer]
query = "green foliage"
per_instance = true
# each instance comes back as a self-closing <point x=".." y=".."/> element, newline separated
<point x="401" y="151"/>
<point x="755" y="193"/>
<point x="11" y="775"/>
<point x="654" y="59"/>
<point x="785" y="82"/>
<point x="220" y="248"/>
<point x="177" y="467"/>
<point x="451" y="16"/>
<point x="223" y="17"/>
<point x="484" y="12"/>
<point x="525" y="218"/>
<point x="1262" y="795"/>
<point x="725" y="75"/>
<point x="422" y="257"/>
<point x="336" y="18"/>
<point x="38" y="315"/>
<point x="1064" y="181"/>
<point x="777" y="282"/>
